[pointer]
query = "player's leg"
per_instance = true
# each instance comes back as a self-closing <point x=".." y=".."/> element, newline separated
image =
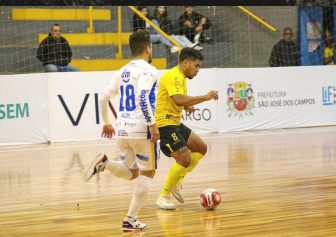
<point x="197" y="149"/>
<point x="173" y="144"/>
<point x="96" y="166"/>
<point x="122" y="167"/>
<point x="146" y="154"/>
<point x="125" y="167"/>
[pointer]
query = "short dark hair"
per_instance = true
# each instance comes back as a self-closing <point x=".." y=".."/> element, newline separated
<point x="52" y="27"/>
<point x="287" y="28"/>
<point x="191" y="54"/>
<point x="138" y="41"/>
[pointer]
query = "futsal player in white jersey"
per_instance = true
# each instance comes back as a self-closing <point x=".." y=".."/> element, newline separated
<point x="135" y="130"/>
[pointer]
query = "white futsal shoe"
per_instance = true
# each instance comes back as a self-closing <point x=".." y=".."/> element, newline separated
<point x="176" y="191"/>
<point x="164" y="202"/>
<point x="97" y="165"/>
<point x="131" y="224"/>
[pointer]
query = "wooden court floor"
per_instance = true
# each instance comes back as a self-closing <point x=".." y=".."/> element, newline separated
<point x="272" y="183"/>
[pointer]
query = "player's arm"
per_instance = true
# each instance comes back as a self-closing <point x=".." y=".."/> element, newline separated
<point x="186" y="100"/>
<point x="145" y="85"/>
<point x="109" y="91"/>
<point x="176" y="91"/>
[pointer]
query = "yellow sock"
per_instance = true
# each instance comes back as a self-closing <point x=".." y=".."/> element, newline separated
<point x="173" y="176"/>
<point x="195" y="158"/>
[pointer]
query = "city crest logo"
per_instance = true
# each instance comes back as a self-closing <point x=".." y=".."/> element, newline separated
<point x="240" y="99"/>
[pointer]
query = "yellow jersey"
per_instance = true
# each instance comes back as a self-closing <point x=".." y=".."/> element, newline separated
<point x="173" y="82"/>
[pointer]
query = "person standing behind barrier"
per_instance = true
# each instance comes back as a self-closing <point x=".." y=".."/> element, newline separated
<point x="285" y="52"/>
<point x="164" y="23"/>
<point x="176" y="139"/>
<point x="329" y="51"/>
<point x="55" y="52"/>
<point x="193" y="24"/>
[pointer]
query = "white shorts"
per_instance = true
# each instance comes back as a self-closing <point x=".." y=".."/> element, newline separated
<point x="143" y="153"/>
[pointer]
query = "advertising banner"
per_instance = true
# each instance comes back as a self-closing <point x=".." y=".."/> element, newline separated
<point x="36" y="108"/>
<point x="265" y="98"/>
<point x="23" y="109"/>
<point x="74" y="105"/>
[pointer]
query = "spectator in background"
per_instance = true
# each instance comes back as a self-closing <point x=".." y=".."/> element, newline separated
<point x="55" y="53"/>
<point x="193" y="24"/>
<point x="285" y="52"/>
<point x="161" y="20"/>
<point x="139" y="23"/>
<point x="329" y="51"/>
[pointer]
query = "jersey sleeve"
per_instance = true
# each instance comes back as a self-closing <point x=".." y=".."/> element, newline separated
<point x="112" y="88"/>
<point x="109" y="91"/>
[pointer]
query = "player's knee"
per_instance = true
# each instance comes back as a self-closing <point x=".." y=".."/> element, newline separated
<point x="135" y="173"/>
<point x="185" y="163"/>
<point x="182" y="156"/>
<point x="148" y="173"/>
<point x="185" y="160"/>
<point x="203" y="149"/>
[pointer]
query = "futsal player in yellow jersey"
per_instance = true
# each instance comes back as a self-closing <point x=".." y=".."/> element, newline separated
<point x="176" y="139"/>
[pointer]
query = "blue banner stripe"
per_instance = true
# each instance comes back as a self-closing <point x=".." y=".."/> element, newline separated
<point x="311" y="47"/>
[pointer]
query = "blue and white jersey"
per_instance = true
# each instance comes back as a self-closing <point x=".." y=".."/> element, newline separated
<point x="136" y="85"/>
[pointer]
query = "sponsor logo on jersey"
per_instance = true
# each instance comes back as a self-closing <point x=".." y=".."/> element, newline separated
<point x="125" y="76"/>
<point x="141" y="157"/>
<point x="122" y="133"/>
<point x="125" y="115"/>
<point x="144" y="107"/>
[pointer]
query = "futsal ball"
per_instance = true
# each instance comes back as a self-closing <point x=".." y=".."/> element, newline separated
<point x="210" y="198"/>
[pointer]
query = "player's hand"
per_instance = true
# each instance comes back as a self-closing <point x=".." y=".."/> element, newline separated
<point x="212" y="95"/>
<point x="108" y="131"/>
<point x="189" y="109"/>
<point x="154" y="131"/>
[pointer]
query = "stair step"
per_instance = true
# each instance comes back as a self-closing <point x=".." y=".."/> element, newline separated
<point x="60" y="14"/>
<point x="93" y="38"/>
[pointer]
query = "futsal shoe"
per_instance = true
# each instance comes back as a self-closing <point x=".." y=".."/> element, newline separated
<point x="131" y="224"/>
<point x="176" y="191"/>
<point x="97" y="165"/>
<point x="164" y="202"/>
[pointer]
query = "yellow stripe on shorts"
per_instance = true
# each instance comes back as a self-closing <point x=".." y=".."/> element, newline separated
<point x="169" y="147"/>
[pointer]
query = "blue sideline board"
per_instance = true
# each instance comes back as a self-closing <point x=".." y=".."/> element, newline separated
<point x="311" y="35"/>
